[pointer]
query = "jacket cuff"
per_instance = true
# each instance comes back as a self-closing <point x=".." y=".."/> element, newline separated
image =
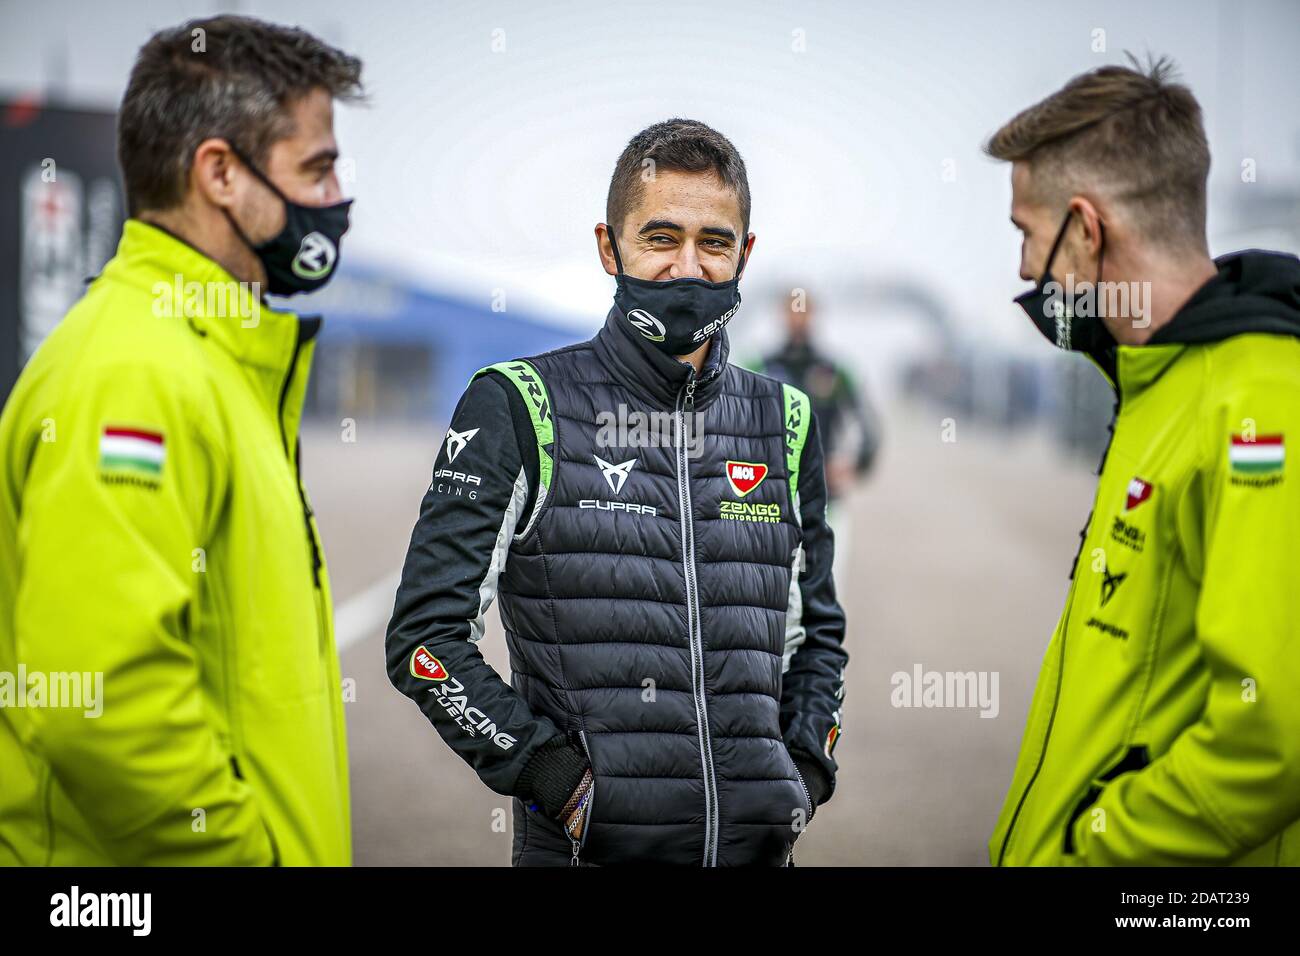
<point x="551" y="775"/>
<point x="820" y="784"/>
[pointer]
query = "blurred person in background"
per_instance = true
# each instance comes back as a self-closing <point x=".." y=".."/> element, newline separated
<point x="652" y="519"/>
<point x="1165" y="725"/>
<point x="849" y="425"/>
<point x="154" y="530"/>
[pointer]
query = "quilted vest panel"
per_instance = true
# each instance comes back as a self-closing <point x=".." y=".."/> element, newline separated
<point x="645" y="608"/>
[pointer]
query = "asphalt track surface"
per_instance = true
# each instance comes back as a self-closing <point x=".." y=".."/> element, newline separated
<point x="958" y="561"/>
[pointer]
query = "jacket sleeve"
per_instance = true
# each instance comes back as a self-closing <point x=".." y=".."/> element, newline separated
<point x="812" y="691"/>
<point x="459" y="547"/>
<point x="1231" y="779"/>
<point x="864" y="416"/>
<point x="107" y="537"/>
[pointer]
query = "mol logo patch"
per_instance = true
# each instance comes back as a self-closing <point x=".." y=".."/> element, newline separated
<point x="427" y="667"/>
<point x="745" y="476"/>
<point x="1138" y="492"/>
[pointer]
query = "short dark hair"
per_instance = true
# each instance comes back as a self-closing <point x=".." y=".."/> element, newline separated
<point x="1133" y="132"/>
<point x="684" y="145"/>
<point x="227" y="76"/>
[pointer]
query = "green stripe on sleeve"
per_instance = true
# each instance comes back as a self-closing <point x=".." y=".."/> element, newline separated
<point x="798" y="415"/>
<point x="533" y="389"/>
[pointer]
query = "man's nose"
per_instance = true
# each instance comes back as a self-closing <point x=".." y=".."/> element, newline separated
<point x="333" y="191"/>
<point x="686" y="265"/>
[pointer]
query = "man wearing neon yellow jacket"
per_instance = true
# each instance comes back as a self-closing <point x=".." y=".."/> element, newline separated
<point x="155" y="540"/>
<point x="1165" y="726"/>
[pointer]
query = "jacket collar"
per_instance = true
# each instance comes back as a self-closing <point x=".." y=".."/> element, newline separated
<point x="1251" y="291"/>
<point x="187" y="285"/>
<point x="1138" y="367"/>
<point x="654" y="376"/>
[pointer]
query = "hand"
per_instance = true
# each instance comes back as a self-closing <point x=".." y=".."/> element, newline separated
<point x="840" y="475"/>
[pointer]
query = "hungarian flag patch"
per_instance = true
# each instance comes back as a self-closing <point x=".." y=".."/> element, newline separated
<point x="1263" y="454"/>
<point x="745" y="476"/>
<point x="132" y="450"/>
<point x="427" y="667"/>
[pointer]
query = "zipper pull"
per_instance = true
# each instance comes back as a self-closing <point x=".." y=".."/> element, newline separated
<point x="577" y="848"/>
<point x="690" y="394"/>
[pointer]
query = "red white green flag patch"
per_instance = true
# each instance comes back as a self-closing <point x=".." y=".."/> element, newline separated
<point x="1264" y="454"/>
<point x="745" y="476"/>
<point x="132" y="450"/>
<point x="832" y="738"/>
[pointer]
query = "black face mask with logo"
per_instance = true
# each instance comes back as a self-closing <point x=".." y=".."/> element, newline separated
<point x="303" y="256"/>
<point x="676" y="316"/>
<point x="1059" y="320"/>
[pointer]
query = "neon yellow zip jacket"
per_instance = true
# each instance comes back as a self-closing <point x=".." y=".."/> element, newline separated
<point x="155" y="539"/>
<point x="1165" y="726"/>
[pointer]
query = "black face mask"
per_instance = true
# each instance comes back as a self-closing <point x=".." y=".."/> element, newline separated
<point x="1059" y="320"/>
<point x="676" y="316"/>
<point x="302" y="257"/>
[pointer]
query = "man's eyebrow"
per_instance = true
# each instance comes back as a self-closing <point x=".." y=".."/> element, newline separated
<point x="655" y="224"/>
<point x="329" y="153"/>
<point x="720" y="231"/>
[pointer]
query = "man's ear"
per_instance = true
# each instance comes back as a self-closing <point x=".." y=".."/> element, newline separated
<point x="213" y="172"/>
<point x="1089" y="218"/>
<point x="604" y="249"/>
<point x="746" y="251"/>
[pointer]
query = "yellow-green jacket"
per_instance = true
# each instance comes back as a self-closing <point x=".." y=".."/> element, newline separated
<point x="154" y="530"/>
<point x="1165" y="726"/>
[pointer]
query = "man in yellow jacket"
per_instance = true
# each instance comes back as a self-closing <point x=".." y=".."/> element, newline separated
<point x="173" y="694"/>
<point x="1165" y="727"/>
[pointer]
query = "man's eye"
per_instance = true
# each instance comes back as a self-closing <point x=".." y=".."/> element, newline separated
<point x="656" y="239"/>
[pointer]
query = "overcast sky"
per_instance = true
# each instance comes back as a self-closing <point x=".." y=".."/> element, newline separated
<point x="483" y="160"/>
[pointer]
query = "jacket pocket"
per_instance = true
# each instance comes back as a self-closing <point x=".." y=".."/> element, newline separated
<point x="807" y="794"/>
<point x="803" y="798"/>
<point x="580" y="843"/>
<point x="1136" y="758"/>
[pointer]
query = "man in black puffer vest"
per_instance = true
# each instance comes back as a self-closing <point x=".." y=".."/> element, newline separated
<point x="653" y="521"/>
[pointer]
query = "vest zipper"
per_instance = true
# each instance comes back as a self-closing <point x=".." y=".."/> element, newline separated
<point x="807" y="794"/>
<point x="685" y="406"/>
<point x="579" y="843"/>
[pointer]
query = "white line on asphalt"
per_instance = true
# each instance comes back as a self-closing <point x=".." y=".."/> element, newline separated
<point x="364" y="613"/>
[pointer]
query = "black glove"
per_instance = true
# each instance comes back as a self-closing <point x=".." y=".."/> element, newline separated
<point x="551" y="775"/>
<point x="814" y="778"/>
